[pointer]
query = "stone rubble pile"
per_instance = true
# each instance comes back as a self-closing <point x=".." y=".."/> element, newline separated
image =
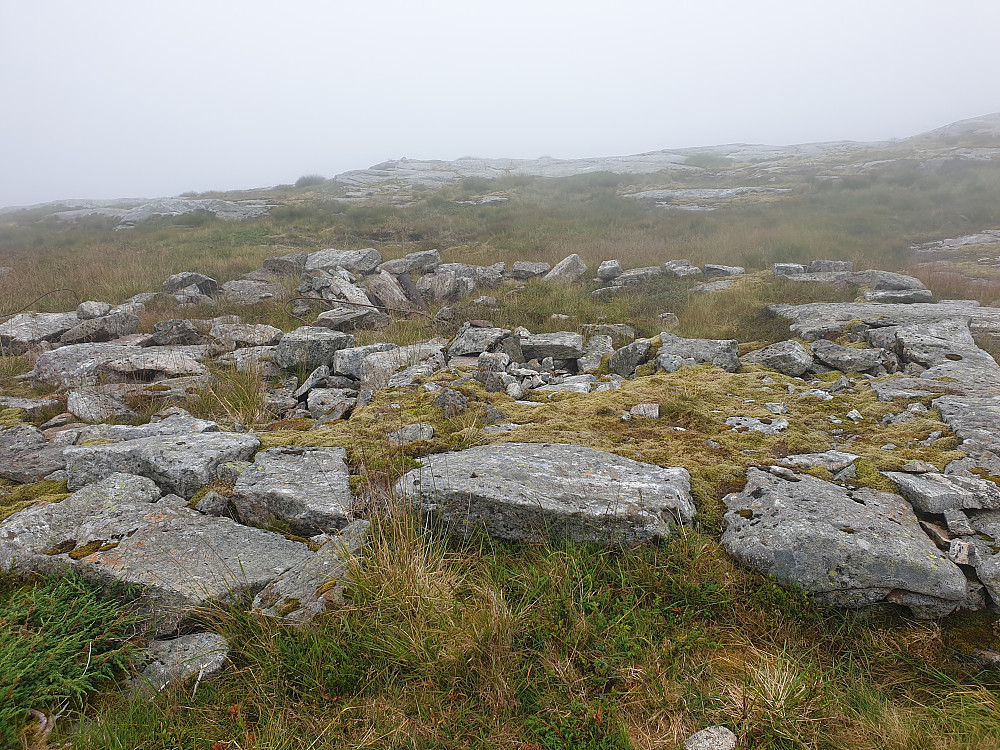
<point x="139" y="513"/>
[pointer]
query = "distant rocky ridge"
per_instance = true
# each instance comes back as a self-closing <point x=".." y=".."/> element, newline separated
<point x="739" y="160"/>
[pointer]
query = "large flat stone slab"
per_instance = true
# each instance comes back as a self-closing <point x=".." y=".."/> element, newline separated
<point x="182" y="464"/>
<point x="935" y="493"/>
<point x="307" y="488"/>
<point x="22" y="332"/>
<point x="536" y="491"/>
<point x="820" y="319"/>
<point x="847" y="547"/>
<point x="120" y="530"/>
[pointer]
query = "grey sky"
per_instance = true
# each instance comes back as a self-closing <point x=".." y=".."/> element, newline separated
<point x="109" y="99"/>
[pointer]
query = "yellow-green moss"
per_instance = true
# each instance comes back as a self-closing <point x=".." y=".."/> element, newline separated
<point x="11" y="417"/>
<point x="21" y="496"/>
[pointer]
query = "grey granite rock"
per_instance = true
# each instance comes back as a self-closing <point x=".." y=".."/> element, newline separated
<point x="93" y="406"/>
<point x="451" y="402"/>
<point x="847" y="547"/>
<point x="330" y="404"/>
<point x="713" y="269"/>
<point x="231" y="336"/>
<point x="152" y="363"/>
<point x="389" y="293"/>
<point x="570" y="268"/>
<point x="350" y="362"/>
<point x="119" y="529"/>
<point x="356" y="261"/>
<point x="763" y="425"/>
<point x="182" y="464"/>
<point x="597" y="348"/>
<point x="317" y="584"/>
<point x="443" y="287"/>
<point x="350" y="317"/>
<point x="379" y="368"/>
<point x="291" y="264"/>
<point x="252" y="292"/>
<point x="27" y="330"/>
<point x="424" y="261"/>
<point x="787" y="357"/>
<point x="849" y="359"/>
<point x="480" y="275"/>
<point x="533" y="492"/>
<point x="411" y="434"/>
<point x="899" y="296"/>
<point x="91" y="309"/>
<point x="560" y="345"/>
<point x="712" y="738"/>
<point x="174" y="332"/>
<point x="788" y="269"/>
<point x="832" y="460"/>
<point x="676" y="352"/>
<point x="609" y="270"/>
<point x="680" y="268"/>
<point x="168" y="662"/>
<point x="175" y="424"/>
<point x="935" y="493"/>
<point x="175" y="283"/>
<point x="624" y="361"/>
<point x="522" y="270"/>
<point x="475" y="340"/>
<point x="307" y="488"/>
<point x="713" y="286"/>
<point x="310" y="346"/>
<point x="828" y="266"/>
<point x="26" y="456"/>
<point x="818" y="319"/>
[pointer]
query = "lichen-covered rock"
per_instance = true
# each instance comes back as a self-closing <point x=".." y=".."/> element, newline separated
<point x="597" y="348"/>
<point x="713" y="269"/>
<point x="153" y="363"/>
<point x="680" y="268"/>
<point x="712" y="738"/>
<point x="787" y="357"/>
<point x="27" y="330"/>
<point x="318" y="583"/>
<point x="385" y="288"/>
<point x="252" y="291"/>
<point x="25" y="454"/>
<point x="480" y="275"/>
<point x="442" y="287"/>
<point x="168" y="662"/>
<point x="930" y="492"/>
<point x="179" y="281"/>
<point x="309" y="347"/>
<point x="291" y="264"/>
<point x="411" y="434"/>
<point x="559" y="345"/>
<point x="424" y="261"/>
<point x="676" y="352"/>
<point x="847" y="547"/>
<point x="93" y="406"/>
<point x="475" y="340"/>
<point x="307" y="488"/>
<point x="534" y="492"/>
<point x="849" y="359"/>
<point x="230" y="336"/>
<point x="179" y="331"/>
<point x="182" y="464"/>
<point x="625" y="360"/>
<point x="568" y="269"/>
<point x="91" y="309"/>
<point x="356" y="261"/>
<point x="609" y="270"/>
<point x="330" y="404"/>
<point x="522" y="269"/>
<point x="120" y="530"/>
<point x="350" y="362"/>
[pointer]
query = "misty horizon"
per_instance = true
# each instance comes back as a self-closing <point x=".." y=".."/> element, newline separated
<point x="116" y="100"/>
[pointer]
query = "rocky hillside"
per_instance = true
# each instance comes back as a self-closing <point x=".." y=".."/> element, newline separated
<point x="552" y="501"/>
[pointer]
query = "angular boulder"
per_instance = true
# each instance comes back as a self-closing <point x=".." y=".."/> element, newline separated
<point x="309" y="347"/>
<point x="931" y="492"/>
<point x="120" y="530"/>
<point x="849" y="359"/>
<point x="559" y="345"/>
<point x="181" y="464"/>
<point x="533" y="492"/>
<point x="356" y="261"/>
<point x="307" y="488"/>
<point x="424" y="261"/>
<point x="252" y="291"/>
<point x="25" y="454"/>
<point x="317" y="584"/>
<point x="178" y="282"/>
<point x="522" y="270"/>
<point x="568" y="269"/>
<point x="24" y="331"/>
<point x="787" y="357"/>
<point x="676" y="352"/>
<point x="105" y="328"/>
<point x="847" y="547"/>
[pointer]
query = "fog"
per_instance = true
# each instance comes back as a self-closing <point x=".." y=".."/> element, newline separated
<point x="112" y="99"/>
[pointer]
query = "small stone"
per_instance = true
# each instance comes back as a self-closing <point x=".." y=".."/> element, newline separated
<point x="753" y="424"/>
<point x="888" y="447"/>
<point x="713" y="738"/>
<point x="411" y="434"/>
<point x="918" y="467"/>
<point x="649" y="411"/>
<point x="488" y="301"/>
<point x="609" y="270"/>
<point x="776" y="407"/>
<point x="668" y="320"/>
<point x="854" y="415"/>
<point x="958" y="523"/>
<point x="451" y="402"/>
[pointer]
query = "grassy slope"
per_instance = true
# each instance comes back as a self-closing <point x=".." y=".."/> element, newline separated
<point x="479" y="644"/>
